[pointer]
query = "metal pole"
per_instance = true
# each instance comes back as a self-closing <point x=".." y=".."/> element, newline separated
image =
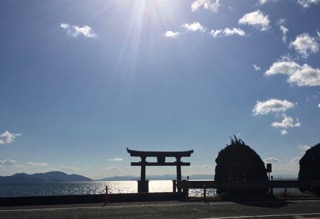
<point x="174" y="185"/>
<point x="143" y="168"/>
<point x="179" y="171"/>
<point x="106" y="201"/>
<point x="285" y="192"/>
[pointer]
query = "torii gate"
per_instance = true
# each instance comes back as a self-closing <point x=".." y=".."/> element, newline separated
<point x="143" y="184"/>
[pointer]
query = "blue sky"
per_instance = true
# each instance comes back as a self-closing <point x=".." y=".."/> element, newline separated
<point x="83" y="80"/>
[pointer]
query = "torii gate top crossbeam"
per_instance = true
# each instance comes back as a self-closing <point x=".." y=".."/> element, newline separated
<point x="134" y="153"/>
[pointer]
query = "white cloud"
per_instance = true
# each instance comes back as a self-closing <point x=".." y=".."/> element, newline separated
<point x="284" y="31"/>
<point x="8" y="162"/>
<point x="116" y="159"/>
<point x="303" y="148"/>
<point x="227" y="32"/>
<point x="307" y="76"/>
<point x="211" y="5"/>
<point x="262" y="2"/>
<point x="65" y="25"/>
<point x="216" y="33"/>
<point x="272" y="105"/>
<point x="283" y="67"/>
<point x="67" y="168"/>
<point x="171" y="34"/>
<point x="196" y="26"/>
<point x="257" y="68"/>
<point x="319" y="105"/>
<point x="36" y="164"/>
<point x="75" y="31"/>
<point x="256" y="19"/>
<point x="272" y="160"/>
<point x="303" y="75"/>
<point x="286" y="123"/>
<point x="306" y="3"/>
<point x="7" y="137"/>
<point x="304" y="45"/>
<point x="234" y="31"/>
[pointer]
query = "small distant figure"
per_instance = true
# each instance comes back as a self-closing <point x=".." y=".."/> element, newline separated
<point x="187" y="178"/>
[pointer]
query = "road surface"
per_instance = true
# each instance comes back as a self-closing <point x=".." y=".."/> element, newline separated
<point x="223" y="210"/>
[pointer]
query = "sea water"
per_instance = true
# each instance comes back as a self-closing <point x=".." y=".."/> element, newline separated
<point x="86" y="188"/>
<point x="79" y="188"/>
<point x="98" y="187"/>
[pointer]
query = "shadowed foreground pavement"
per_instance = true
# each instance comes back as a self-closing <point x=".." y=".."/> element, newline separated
<point x="291" y="209"/>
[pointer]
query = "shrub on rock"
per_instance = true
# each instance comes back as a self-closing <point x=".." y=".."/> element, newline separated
<point x="238" y="162"/>
<point x="310" y="168"/>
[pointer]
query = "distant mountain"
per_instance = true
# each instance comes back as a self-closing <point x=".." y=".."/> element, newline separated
<point x="156" y="177"/>
<point x="54" y="176"/>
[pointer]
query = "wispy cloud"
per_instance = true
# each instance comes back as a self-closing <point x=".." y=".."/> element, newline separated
<point x="116" y="159"/>
<point x="7" y="137"/>
<point x="303" y="148"/>
<point x="262" y="2"/>
<point x="68" y="168"/>
<point x="305" y="44"/>
<point x="271" y="106"/>
<point x="211" y="5"/>
<point x="171" y="34"/>
<point x="196" y="26"/>
<point x="272" y="160"/>
<point x="283" y="29"/>
<point x="302" y="75"/>
<point x="227" y="32"/>
<point x="75" y="30"/>
<point x="286" y="123"/>
<point x="256" y="19"/>
<point x="255" y="67"/>
<point x="8" y="162"/>
<point x="307" y="3"/>
<point x="36" y="164"/>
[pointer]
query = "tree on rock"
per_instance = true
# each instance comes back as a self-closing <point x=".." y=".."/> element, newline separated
<point x="310" y="168"/>
<point x="238" y="162"/>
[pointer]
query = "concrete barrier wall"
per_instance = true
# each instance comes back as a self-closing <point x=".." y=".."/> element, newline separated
<point x="249" y="184"/>
<point x="82" y="199"/>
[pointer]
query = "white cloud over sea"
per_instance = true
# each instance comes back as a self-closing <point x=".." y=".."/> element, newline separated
<point x="227" y="32"/>
<point x="304" y="44"/>
<point x="196" y="26"/>
<point x="75" y="30"/>
<point x="7" y="137"/>
<point x="272" y="105"/>
<point x="211" y="5"/>
<point x="256" y="19"/>
<point x="301" y="75"/>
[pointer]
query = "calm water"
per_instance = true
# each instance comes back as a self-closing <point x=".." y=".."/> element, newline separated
<point x="96" y="187"/>
<point x="82" y="188"/>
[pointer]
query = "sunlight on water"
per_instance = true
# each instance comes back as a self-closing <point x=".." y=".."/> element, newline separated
<point x="115" y="187"/>
<point x="85" y="188"/>
<point x="160" y="186"/>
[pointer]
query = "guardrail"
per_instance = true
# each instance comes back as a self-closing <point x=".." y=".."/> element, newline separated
<point x="186" y="185"/>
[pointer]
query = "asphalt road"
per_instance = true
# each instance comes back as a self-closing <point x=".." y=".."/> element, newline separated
<point x="223" y="210"/>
